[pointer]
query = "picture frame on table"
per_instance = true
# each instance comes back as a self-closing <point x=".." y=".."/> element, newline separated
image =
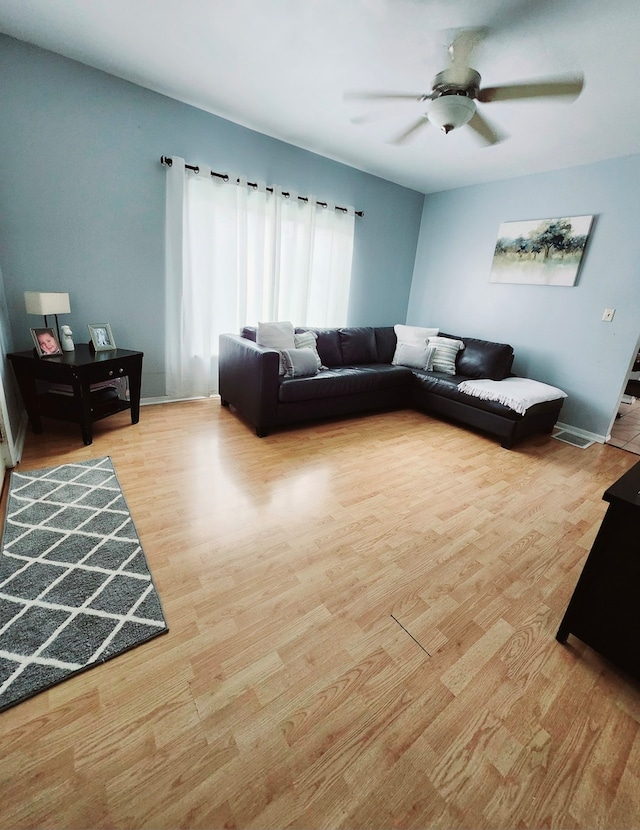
<point x="46" y="342"/>
<point x="101" y="337"/>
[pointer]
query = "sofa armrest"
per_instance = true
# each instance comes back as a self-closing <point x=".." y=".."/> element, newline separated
<point x="249" y="380"/>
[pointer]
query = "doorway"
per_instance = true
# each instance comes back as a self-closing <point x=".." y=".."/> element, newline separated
<point x="625" y="429"/>
<point x="625" y="433"/>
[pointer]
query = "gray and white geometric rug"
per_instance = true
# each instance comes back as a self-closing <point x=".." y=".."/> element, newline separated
<point x="75" y="587"/>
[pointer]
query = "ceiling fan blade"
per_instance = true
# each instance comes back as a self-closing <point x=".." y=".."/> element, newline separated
<point x="569" y="86"/>
<point x="386" y="96"/>
<point x="410" y="131"/>
<point x="464" y="44"/>
<point x="487" y="132"/>
<point x="461" y="48"/>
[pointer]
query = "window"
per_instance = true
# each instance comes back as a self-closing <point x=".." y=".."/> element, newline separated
<point x="236" y="255"/>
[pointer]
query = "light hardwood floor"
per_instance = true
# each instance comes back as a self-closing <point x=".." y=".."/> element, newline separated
<point x="362" y="621"/>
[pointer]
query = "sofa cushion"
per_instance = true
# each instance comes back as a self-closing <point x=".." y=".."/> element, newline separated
<point x="386" y="342"/>
<point x="484" y="359"/>
<point x="328" y="345"/>
<point x="358" y="346"/>
<point x="344" y="381"/>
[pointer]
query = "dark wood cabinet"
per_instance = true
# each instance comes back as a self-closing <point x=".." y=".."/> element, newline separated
<point x="604" y="611"/>
<point x="79" y="370"/>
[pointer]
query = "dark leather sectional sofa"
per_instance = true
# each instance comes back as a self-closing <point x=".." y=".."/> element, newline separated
<point x="359" y="377"/>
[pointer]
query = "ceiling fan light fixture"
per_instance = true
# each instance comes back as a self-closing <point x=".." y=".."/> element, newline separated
<point x="450" y="111"/>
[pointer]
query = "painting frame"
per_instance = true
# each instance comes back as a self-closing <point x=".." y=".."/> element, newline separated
<point x="42" y="350"/>
<point x="541" y="251"/>
<point x="101" y="337"/>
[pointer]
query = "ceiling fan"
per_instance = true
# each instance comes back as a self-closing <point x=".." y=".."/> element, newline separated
<point x="456" y="91"/>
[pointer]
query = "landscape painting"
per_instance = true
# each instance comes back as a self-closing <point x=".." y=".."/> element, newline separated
<point x="541" y="251"/>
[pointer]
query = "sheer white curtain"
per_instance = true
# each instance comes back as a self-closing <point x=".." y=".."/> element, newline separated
<point x="236" y="255"/>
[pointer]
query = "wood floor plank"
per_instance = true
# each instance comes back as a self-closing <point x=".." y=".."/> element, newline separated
<point x="362" y="625"/>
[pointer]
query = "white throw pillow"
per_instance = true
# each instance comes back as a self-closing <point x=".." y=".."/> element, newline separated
<point x="299" y="363"/>
<point x="415" y="357"/>
<point x="416" y="335"/>
<point x="276" y="336"/>
<point x="308" y="340"/>
<point x="447" y="350"/>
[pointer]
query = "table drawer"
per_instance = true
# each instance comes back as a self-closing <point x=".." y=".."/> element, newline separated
<point x="110" y="371"/>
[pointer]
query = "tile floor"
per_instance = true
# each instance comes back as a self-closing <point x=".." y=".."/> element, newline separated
<point x="626" y="429"/>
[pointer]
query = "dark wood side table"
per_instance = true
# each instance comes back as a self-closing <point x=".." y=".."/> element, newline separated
<point x="604" y="611"/>
<point x="78" y="369"/>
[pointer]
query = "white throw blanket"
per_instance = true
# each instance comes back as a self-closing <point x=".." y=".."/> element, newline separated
<point x="516" y="393"/>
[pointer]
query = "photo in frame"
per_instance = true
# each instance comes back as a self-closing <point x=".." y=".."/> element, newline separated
<point x="541" y="251"/>
<point x="101" y="337"/>
<point x="46" y="342"/>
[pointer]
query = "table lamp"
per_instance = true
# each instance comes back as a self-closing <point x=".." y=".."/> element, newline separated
<point x="45" y="303"/>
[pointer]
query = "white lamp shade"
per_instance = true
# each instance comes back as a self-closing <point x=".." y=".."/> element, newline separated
<point x="450" y="111"/>
<point x="39" y="302"/>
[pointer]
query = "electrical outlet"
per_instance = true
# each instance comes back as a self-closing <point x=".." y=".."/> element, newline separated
<point x="608" y="314"/>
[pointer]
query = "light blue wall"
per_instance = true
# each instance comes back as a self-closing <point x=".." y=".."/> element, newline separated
<point x="82" y="199"/>
<point x="557" y="332"/>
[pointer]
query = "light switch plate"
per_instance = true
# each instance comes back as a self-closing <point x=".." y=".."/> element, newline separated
<point x="608" y="314"/>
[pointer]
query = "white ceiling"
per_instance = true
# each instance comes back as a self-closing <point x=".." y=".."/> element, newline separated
<point x="282" y="67"/>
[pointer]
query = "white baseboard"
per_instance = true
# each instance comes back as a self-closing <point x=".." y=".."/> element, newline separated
<point x="168" y="399"/>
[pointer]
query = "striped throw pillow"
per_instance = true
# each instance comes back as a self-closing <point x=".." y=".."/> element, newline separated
<point x="447" y="350"/>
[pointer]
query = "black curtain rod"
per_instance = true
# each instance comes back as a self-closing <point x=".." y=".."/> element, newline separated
<point x="225" y="176"/>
